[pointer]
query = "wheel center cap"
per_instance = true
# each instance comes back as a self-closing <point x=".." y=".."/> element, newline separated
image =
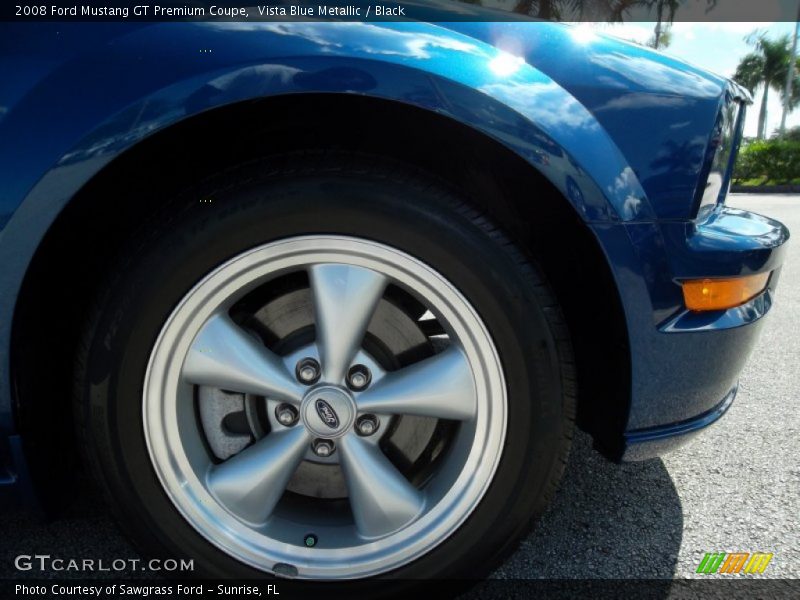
<point x="328" y="411"/>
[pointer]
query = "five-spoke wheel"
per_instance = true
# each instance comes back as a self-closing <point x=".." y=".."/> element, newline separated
<point x="339" y="369"/>
<point x="330" y="394"/>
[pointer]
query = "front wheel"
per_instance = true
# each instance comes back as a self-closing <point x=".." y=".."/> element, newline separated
<point x="331" y="373"/>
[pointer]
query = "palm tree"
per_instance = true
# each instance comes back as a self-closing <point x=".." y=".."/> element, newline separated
<point x="665" y="15"/>
<point x="670" y="6"/>
<point x="766" y="67"/>
<point x="662" y="37"/>
<point x="612" y="11"/>
<point x="589" y="10"/>
<point x="548" y="9"/>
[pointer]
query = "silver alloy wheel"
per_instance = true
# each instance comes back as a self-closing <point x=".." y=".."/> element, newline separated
<point x="239" y="504"/>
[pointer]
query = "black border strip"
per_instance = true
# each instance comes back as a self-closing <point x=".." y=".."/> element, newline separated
<point x="400" y="10"/>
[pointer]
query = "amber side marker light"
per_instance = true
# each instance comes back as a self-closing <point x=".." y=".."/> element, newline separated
<point x="719" y="294"/>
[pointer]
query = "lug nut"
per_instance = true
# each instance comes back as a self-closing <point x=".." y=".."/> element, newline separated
<point x="286" y="414"/>
<point x="307" y="371"/>
<point x="358" y="378"/>
<point x="367" y="425"/>
<point x="323" y="448"/>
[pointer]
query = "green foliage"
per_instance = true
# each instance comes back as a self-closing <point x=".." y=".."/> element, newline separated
<point x="768" y="161"/>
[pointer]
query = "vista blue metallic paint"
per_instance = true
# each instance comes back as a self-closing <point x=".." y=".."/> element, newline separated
<point x="622" y="132"/>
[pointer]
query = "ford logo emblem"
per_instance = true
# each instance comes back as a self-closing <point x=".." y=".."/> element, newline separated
<point x="326" y="413"/>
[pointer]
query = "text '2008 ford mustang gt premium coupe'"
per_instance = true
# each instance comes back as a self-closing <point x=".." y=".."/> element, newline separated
<point x="329" y="298"/>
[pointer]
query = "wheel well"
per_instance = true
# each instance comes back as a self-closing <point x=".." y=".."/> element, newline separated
<point x="84" y="240"/>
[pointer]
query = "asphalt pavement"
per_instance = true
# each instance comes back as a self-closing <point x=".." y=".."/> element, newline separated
<point x="736" y="488"/>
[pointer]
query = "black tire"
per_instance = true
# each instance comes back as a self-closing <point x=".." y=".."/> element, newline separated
<point x="273" y="199"/>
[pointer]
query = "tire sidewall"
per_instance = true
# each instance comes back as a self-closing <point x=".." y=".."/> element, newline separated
<point x="193" y="238"/>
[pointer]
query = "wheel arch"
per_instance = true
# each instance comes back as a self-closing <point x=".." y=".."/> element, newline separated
<point x="91" y="230"/>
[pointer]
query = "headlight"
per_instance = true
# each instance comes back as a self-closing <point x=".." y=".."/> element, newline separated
<point x="721" y="154"/>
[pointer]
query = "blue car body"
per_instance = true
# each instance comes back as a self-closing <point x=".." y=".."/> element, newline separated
<point x="629" y="137"/>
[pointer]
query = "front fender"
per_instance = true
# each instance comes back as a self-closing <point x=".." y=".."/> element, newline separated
<point x="80" y="105"/>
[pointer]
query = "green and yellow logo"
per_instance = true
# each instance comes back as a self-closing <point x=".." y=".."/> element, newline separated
<point x="734" y="562"/>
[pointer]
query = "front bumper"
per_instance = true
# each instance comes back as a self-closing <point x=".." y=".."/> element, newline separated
<point x="647" y="443"/>
<point x="685" y="365"/>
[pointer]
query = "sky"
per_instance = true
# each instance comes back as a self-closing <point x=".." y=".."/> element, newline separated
<point x="717" y="47"/>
